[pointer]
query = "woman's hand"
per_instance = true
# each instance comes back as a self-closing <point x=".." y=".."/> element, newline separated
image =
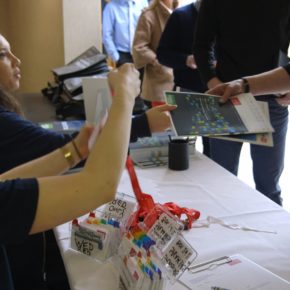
<point x="125" y="81"/>
<point x="158" y="118"/>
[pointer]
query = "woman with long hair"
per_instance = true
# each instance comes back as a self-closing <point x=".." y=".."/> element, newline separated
<point x="36" y="262"/>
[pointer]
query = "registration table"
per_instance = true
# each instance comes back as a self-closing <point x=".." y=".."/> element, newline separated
<point x="213" y="191"/>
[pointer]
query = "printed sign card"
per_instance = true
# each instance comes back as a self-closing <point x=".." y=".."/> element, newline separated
<point x="91" y="242"/>
<point x="120" y="208"/>
<point x="178" y="255"/>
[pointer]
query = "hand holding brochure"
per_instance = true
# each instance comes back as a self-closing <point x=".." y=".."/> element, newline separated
<point x="202" y="114"/>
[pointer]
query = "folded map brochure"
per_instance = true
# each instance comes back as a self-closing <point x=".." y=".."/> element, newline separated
<point x="203" y="115"/>
<point x="265" y="139"/>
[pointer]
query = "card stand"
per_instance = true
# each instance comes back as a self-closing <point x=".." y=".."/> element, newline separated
<point x="170" y="247"/>
<point x="95" y="237"/>
<point x="177" y="257"/>
<point x="120" y="209"/>
<point x="161" y="226"/>
<point x="139" y="268"/>
<point x="99" y="235"/>
<point x="154" y="253"/>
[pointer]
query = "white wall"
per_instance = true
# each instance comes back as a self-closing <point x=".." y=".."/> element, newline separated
<point x="35" y="32"/>
<point x="82" y="26"/>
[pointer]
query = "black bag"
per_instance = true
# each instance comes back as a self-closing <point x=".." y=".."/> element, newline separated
<point x="66" y="94"/>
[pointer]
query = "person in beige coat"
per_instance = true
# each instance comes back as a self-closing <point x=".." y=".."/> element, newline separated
<point x="157" y="78"/>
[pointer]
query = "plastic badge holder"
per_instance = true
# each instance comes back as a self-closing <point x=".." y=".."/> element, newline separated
<point x="154" y="253"/>
<point x="177" y="257"/>
<point x="121" y="208"/>
<point x="161" y="225"/>
<point x="94" y="237"/>
<point x="147" y="269"/>
<point x="171" y="248"/>
<point x="139" y="268"/>
<point x="99" y="235"/>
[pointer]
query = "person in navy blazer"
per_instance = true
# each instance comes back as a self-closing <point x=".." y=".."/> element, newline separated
<point x="175" y="50"/>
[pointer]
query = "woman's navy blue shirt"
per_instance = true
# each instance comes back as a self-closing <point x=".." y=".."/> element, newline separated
<point x="18" y="202"/>
<point x="22" y="141"/>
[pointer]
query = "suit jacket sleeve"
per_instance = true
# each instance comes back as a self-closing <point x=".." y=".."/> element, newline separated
<point x="142" y="53"/>
<point x="205" y="35"/>
<point x="139" y="128"/>
<point x="168" y="52"/>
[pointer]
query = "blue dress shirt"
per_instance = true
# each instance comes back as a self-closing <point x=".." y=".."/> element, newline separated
<point x="116" y="25"/>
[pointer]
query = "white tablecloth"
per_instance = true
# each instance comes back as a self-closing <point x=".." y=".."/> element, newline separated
<point x="214" y="192"/>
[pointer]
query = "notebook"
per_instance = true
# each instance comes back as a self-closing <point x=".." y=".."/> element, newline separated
<point x="97" y="98"/>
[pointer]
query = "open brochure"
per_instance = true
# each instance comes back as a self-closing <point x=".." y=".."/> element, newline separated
<point x="203" y="115"/>
<point x="265" y="139"/>
<point x="234" y="272"/>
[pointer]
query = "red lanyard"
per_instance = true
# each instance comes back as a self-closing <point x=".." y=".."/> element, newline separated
<point x="146" y="202"/>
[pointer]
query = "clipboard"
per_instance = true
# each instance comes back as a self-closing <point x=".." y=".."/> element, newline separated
<point x="234" y="272"/>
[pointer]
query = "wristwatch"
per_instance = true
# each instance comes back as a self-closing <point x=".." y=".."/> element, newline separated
<point x="245" y="86"/>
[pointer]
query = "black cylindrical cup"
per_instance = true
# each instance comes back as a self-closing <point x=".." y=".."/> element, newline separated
<point x="178" y="154"/>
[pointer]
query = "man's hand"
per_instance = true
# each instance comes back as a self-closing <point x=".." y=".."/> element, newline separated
<point x="190" y="62"/>
<point x="227" y="90"/>
<point x="213" y="82"/>
<point x="284" y="100"/>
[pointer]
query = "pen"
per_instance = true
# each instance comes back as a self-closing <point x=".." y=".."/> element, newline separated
<point x="209" y="264"/>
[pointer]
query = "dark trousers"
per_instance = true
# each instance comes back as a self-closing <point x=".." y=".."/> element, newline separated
<point x="268" y="162"/>
<point x="125" y="57"/>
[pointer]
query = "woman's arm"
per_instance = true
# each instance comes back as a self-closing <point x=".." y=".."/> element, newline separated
<point x="22" y="141"/>
<point x="62" y="198"/>
<point x="63" y="159"/>
<point x="65" y="197"/>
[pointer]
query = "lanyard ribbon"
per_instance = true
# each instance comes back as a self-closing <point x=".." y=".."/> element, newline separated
<point x="146" y="202"/>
